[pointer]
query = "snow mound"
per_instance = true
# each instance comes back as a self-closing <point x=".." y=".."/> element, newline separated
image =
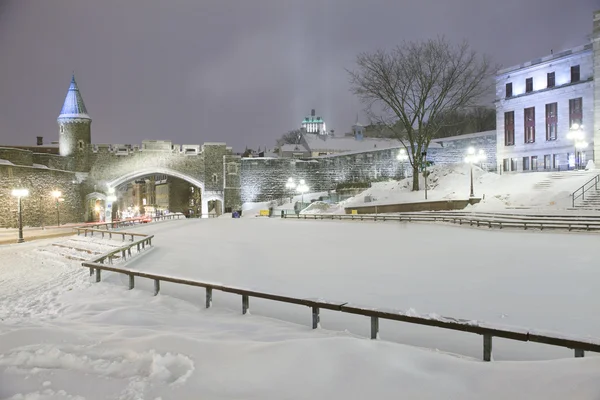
<point x="320" y="207"/>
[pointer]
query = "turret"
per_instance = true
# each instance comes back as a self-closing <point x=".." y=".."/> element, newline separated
<point x="74" y="123"/>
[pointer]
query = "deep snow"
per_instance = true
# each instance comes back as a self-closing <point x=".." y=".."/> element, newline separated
<point x="64" y="337"/>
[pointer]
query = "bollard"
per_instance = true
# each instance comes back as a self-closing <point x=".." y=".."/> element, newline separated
<point x="579" y="353"/>
<point x="156" y="287"/>
<point x="131" y="282"/>
<point x="98" y="278"/>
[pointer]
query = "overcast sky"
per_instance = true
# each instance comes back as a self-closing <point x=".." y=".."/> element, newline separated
<point x="241" y="72"/>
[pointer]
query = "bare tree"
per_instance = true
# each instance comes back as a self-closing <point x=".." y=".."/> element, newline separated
<point x="409" y="87"/>
<point x="291" y="137"/>
<point x="459" y="122"/>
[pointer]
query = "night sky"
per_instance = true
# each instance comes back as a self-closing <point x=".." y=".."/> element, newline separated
<point x="241" y="72"/>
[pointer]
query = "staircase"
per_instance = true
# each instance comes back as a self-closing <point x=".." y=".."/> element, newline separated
<point x="587" y="197"/>
<point x="554" y="177"/>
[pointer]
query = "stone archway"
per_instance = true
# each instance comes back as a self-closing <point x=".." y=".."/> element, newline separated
<point x="206" y="197"/>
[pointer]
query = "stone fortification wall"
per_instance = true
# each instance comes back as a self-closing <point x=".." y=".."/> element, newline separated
<point x="39" y="207"/>
<point x="264" y="179"/>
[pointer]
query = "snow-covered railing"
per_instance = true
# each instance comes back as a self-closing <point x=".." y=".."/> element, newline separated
<point x="110" y="233"/>
<point x="592" y="183"/>
<point x="580" y="222"/>
<point x="125" y="250"/>
<point x="487" y="330"/>
<point x="131" y="221"/>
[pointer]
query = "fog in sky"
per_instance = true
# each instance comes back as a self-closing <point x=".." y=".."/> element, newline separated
<point x="241" y="72"/>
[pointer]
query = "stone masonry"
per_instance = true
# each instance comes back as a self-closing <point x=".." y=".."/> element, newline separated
<point x="39" y="208"/>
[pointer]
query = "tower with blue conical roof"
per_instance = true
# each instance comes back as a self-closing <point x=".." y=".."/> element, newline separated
<point x="74" y="126"/>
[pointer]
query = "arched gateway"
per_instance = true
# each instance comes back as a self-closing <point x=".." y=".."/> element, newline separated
<point x="104" y="169"/>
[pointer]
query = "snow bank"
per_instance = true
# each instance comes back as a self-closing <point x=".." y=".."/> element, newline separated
<point x="62" y="337"/>
<point x="548" y="190"/>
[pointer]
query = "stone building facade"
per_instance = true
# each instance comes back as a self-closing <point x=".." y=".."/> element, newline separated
<point x="547" y="110"/>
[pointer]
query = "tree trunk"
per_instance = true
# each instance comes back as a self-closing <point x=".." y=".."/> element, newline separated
<point x="415" y="177"/>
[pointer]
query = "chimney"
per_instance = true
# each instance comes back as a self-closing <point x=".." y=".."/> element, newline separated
<point x="312" y="112"/>
<point x="40" y="140"/>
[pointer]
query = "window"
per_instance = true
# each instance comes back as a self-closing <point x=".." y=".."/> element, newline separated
<point x="232" y="168"/>
<point x="551" y="121"/>
<point x="509" y="128"/>
<point x="575" y="76"/>
<point x="80" y="144"/>
<point x="513" y="164"/>
<point x="547" y="161"/>
<point x="555" y="161"/>
<point x="509" y="89"/>
<point x="506" y="164"/>
<point x="528" y="85"/>
<point x="530" y="125"/>
<point x="575" y="112"/>
<point x="214" y="178"/>
<point x="525" y="163"/>
<point x="534" y="163"/>
<point x="551" y="80"/>
<point x="62" y="129"/>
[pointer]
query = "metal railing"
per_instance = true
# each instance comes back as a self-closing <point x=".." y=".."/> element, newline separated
<point x="584" y="188"/>
<point x="489" y="220"/>
<point x="131" y="221"/>
<point x="488" y="331"/>
<point x="125" y="251"/>
<point x="103" y="232"/>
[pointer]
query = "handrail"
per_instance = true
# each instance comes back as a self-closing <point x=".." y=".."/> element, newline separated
<point x="477" y="221"/>
<point x="129" y="221"/>
<point x="595" y="179"/>
<point x="488" y="331"/>
<point x="124" y="250"/>
<point x="106" y="231"/>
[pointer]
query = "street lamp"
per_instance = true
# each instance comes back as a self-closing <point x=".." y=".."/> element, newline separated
<point x="20" y="193"/>
<point x="290" y="185"/>
<point x="56" y="194"/>
<point x="471" y="158"/>
<point x="577" y="135"/>
<point x="402" y="157"/>
<point x="302" y="188"/>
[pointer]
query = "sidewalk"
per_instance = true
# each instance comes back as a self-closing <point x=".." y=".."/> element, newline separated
<point x="11" y="235"/>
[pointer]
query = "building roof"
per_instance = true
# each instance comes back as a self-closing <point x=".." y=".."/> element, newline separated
<point x="347" y="143"/>
<point x="294" y="147"/>
<point x="74" y="107"/>
<point x="552" y="57"/>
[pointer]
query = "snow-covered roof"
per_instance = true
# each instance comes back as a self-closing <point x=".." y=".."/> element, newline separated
<point x="73" y="108"/>
<point x="466" y="136"/>
<point x="293" y="147"/>
<point x="347" y="143"/>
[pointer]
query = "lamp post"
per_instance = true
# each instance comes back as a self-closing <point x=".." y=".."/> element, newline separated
<point x="577" y="135"/>
<point x="471" y="158"/>
<point x="402" y="157"/>
<point x="290" y="185"/>
<point x="302" y="188"/>
<point x="56" y="194"/>
<point x="424" y="158"/>
<point x="19" y="194"/>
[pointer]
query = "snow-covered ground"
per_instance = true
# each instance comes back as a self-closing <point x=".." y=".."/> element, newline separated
<point x="549" y="190"/>
<point x="545" y="191"/>
<point x="64" y="337"/>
